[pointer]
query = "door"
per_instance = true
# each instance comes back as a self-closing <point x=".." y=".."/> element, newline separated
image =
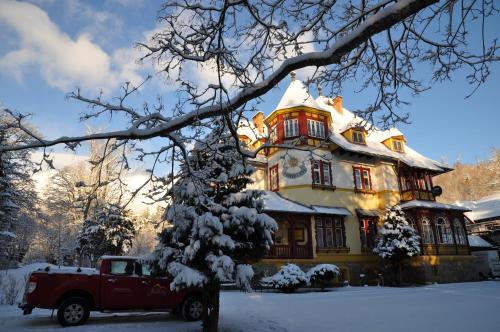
<point x="155" y="292"/>
<point x="119" y="288"/>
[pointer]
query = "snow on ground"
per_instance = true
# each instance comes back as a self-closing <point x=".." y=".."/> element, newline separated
<point x="446" y="307"/>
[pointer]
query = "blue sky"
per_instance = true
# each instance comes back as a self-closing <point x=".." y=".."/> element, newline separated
<point x="49" y="47"/>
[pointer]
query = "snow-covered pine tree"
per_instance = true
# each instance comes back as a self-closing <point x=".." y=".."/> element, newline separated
<point x="397" y="240"/>
<point x="218" y="228"/>
<point x="110" y="231"/>
<point x="17" y="195"/>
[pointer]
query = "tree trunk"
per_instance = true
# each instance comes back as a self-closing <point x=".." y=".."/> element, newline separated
<point x="400" y="273"/>
<point x="211" y="302"/>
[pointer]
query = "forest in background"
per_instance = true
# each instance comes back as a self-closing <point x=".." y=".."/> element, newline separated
<point x="471" y="182"/>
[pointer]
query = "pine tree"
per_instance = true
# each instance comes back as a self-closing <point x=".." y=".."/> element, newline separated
<point x="218" y="228"/>
<point x="397" y="240"/>
<point x="109" y="232"/>
<point x="18" y="198"/>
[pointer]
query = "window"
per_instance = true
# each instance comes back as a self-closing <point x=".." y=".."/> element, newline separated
<point x="397" y="145"/>
<point x="459" y="231"/>
<point x="291" y="128"/>
<point x="427" y="235"/>
<point x="315" y="128"/>
<point x="122" y="267"/>
<point x="321" y="172"/>
<point x="443" y="231"/>
<point x="358" y="137"/>
<point x="330" y="232"/>
<point x="274" y="178"/>
<point x="362" y="178"/>
<point x="273" y="135"/>
<point x="368" y="232"/>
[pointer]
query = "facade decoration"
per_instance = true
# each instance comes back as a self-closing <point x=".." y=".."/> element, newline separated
<point x="293" y="168"/>
<point x="329" y="194"/>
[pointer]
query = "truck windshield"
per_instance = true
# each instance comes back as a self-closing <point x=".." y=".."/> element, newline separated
<point x="98" y="266"/>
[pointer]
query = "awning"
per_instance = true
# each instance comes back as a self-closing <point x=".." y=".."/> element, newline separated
<point x="431" y="205"/>
<point x="339" y="211"/>
<point x="367" y="213"/>
<point x="274" y="202"/>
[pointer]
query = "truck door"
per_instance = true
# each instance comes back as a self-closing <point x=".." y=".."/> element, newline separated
<point x="155" y="293"/>
<point x="119" y="289"/>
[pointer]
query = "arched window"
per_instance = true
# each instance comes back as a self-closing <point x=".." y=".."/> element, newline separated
<point x="427" y="235"/>
<point x="459" y="231"/>
<point x="443" y="231"/>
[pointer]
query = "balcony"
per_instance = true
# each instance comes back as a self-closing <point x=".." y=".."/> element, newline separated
<point x="289" y="251"/>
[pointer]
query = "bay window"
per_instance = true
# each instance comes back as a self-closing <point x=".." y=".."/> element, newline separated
<point x="316" y="128"/>
<point x="459" y="232"/>
<point x="291" y="128"/>
<point x="427" y="234"/>
<point x="273" y="134"/>
<point x="443" y="231"/>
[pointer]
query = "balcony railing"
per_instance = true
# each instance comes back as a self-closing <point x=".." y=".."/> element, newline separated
<point x="287" y="251"/>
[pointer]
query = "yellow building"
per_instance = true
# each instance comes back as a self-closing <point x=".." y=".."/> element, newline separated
<point x="328" y="189"/>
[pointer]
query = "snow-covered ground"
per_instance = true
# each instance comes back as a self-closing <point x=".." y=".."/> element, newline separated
<point x="447" y="307"/>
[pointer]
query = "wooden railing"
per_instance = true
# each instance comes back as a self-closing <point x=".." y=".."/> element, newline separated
<point x="286" y="251"/>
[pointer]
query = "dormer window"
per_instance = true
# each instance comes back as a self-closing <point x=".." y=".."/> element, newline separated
<point x="291" y="128"/>
<point x="358" y="137"/>
<point x="315" y="128"/>
<point x="397" y="145"/>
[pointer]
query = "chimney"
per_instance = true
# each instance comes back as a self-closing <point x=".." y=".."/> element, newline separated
<point x="293" y="75"/>
<point x="258" y="121"/>
<point x="320" y="91"/>
<point x="337" y="104"/>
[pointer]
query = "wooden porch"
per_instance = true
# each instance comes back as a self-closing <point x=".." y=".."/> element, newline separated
<point x="293" y="238"/>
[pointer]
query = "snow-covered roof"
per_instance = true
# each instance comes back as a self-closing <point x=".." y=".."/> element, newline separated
<point x="297" y="95"/>
<point x="431" y="205"/>
<point x="374" y="138"/>
<point x="485" y="208"/>
<point x="248" y="129"/>
<point x="331" y="210"/>
<point x="274" y="202"/>
<point x="477" y="241"/>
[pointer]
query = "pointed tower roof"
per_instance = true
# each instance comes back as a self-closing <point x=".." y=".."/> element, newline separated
<point x="297" y="95"/>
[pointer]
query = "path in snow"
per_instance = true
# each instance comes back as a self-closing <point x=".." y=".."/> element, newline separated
<point x="444" y="308"/>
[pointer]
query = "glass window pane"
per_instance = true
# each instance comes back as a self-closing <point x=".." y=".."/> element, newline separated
<point x="339" y="238"/>
<point x="329" y="238"/>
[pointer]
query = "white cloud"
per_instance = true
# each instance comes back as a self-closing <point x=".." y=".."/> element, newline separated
<point x="62" y="61"/>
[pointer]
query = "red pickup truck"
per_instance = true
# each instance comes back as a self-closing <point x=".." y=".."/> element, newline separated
<point x="118" y="283"/>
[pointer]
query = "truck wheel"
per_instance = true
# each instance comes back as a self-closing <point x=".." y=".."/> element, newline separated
<point x="192" y="309"/>
<point x="73" y="311"/>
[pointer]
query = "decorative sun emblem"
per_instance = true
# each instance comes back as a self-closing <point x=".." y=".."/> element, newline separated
<point x="293" y="168"/>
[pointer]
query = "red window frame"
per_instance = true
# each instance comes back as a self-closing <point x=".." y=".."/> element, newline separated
<point x="271" y="169"/>
<point x="361" y="171"/>
<point x="322" y="230"/>
<point x="320" y="164"/>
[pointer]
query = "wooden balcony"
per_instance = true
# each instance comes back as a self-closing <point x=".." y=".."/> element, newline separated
<point x="288" y="251"/>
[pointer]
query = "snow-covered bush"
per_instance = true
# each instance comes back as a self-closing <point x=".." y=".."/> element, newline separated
<point x="323" y="273"/>
<point x="288" y="279"/>
<point x="397" y="240"/>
